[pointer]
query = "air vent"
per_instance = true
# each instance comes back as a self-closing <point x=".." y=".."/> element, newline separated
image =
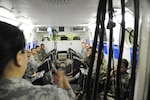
<point x="78" y="29"/>
<point x="57" y="2"/>
<point x="61" y="29"/>
<point x="41" y="29"/>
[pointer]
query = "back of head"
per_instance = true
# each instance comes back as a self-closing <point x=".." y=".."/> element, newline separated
<point x="11" y="41"/>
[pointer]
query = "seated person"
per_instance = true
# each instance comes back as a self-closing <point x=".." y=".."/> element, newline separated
<point x="42" y="51"/>
<point x="39" y="53"/>
<point x="103" y="68"/>
<point x="35" y="56"/>
<point x="30" y="73"/>
<point x="88" y="56"/>
<point x="102" y="72"/>
<point x="13" y="64"/>
<point x="83" y="50"/>
<point x="124" y="82"/>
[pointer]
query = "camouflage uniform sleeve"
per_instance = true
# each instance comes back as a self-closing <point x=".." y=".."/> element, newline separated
<point x="43" y="54"/>
<point x="103" y="72"/>
<point x="37" y="59"/>
<point x="20" y="89"/>
<point x="83" y="53"/>
<point x="40" y="57"/>
<point x="34" y="65"/>
<point x="31" y="69"/>
<point x="54" y="93"/>
<point x="125" y="85"/>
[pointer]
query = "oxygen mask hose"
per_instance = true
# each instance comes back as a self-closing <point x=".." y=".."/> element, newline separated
<point x="135" y="45"/>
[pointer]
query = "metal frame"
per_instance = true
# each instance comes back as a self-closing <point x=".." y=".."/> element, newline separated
<point x="143" y="71"/>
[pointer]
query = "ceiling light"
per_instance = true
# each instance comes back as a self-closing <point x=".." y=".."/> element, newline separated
<point x="25" y="27"/>
<point x="6" y="13"/>
<point x="10" y="21"/>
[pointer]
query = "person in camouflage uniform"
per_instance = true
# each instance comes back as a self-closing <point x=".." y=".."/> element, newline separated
<point x="35" y="56"/>
<point x="30" y="73"/>
<point x="83" y="50"/>
<point x="13" y="63"/>
<point x="102" y="72"/>
<point x="39" y="53"/>
<point x="20" y="89"/>
<point x="102" y="78"/>
<point x="42" y="52"/>
<point x="124" y="82"/>
<point x="103" y="68"/>
<point x="88" y="56"/>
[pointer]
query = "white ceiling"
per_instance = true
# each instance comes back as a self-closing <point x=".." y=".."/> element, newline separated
<point x="41" y="12"/>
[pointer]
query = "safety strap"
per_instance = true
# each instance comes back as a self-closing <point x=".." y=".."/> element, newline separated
<point x="120" y="49"/>
<point x="111" y="25"/>
<point x="101" y="36"/>
<point x="98" y="19"/>
<point x="135" y="45"/>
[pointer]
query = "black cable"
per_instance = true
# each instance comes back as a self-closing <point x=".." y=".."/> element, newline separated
<point x="95" y="89"/>
<point x="136" y="27"/>
<point x="148" y="96"/>
<point x="117" y="96"/>
<point x="88" y="82"/>
<point x="110" y="26"/>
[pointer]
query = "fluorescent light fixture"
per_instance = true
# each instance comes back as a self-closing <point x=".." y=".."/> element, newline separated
<point x="23" y="27"/>
<point x="13" y="22"/>
<point x="6" y="13"/>
<point x="27" y="30"/>
<point x="25" y="21"/>
<point x="8" y="16"/>
<point x="26" y="27"/>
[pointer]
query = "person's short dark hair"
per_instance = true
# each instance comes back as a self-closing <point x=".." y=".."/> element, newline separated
<point x="83" y="43"/>
<point x="11" y="42"/>
<point x="37" y="46"/>
<point x="42" y="44"/>
<point x="32" y="49"/>
<point x="126" y="63"/>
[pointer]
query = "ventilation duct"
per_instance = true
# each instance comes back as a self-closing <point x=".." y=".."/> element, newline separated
<point x="57" y="2"/>
<point x="78" y="29"/>
<point x="41" y="29"/>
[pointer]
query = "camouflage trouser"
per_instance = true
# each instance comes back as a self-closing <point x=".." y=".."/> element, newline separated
<point x="109" y="96"/>
<point x="81" y="95"/>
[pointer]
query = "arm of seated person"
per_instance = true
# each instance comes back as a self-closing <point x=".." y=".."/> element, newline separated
<point x="113" y="72"/>
<point x="62" y="81"/>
